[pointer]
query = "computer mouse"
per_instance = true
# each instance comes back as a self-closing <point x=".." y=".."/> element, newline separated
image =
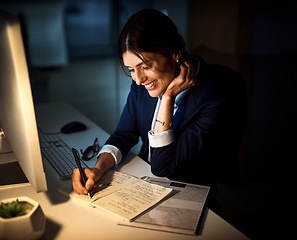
<point x="73" y="127"/>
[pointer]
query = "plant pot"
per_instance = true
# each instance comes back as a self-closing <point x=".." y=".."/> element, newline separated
<point x="29" y="226"/>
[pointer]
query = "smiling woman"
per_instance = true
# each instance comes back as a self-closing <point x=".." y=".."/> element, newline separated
<point x="151" y="74"/>
<point x="190" y="115"/>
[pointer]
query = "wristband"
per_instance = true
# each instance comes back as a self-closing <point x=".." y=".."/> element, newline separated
<point x="162" y="123"/>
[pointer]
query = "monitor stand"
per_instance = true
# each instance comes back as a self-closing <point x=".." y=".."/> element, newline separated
<point x="10" y="171"/>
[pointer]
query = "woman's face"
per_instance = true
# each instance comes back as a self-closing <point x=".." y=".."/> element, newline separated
<point x="155" y="74"/>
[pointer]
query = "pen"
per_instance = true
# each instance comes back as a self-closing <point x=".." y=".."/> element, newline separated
<point x="77" y="160"/>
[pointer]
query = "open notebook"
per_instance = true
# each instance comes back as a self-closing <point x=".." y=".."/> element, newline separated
<point x="121" y="194"/>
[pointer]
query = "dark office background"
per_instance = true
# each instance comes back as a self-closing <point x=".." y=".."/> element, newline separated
<point x="71" y="51"/>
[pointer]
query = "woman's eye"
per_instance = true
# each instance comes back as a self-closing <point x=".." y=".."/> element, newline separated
<point x="131" y="70"/>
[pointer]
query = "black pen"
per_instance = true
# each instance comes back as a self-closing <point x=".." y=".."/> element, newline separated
<point x="77" y="160"/>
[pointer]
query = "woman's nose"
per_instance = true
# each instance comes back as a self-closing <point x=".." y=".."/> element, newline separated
<point x="140" y="78"/>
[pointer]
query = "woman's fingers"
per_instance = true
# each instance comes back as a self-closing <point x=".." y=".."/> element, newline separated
<point x="92" y="174"/>
<point x="184" y="80"/>
<point x="77" y="184"/>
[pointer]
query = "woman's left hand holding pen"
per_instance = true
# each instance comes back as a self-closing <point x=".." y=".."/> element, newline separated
<point x="104" y="163"/>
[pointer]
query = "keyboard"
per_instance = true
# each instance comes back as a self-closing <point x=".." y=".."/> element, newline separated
<point x="58" y="154"/>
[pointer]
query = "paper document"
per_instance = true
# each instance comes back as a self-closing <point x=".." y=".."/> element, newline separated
<point x="122" y="195"/>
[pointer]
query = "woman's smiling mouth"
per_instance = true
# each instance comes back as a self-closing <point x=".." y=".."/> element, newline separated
<point x="150" y="85"/>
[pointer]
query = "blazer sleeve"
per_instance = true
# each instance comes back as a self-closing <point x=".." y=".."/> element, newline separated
<point x="189" y="143"/>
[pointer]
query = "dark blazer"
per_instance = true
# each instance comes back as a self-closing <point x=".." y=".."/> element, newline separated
<point x="207" y="127"/>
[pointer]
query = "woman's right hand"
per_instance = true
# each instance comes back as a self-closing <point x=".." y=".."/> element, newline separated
<point x="104" y="163"/>
<point x="93" y="175"/>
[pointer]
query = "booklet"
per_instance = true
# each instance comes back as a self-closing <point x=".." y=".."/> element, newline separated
<point x="179" y="214"/>
<point x="122" y="194"/>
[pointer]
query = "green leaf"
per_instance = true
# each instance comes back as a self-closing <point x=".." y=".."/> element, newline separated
<point x="12" y="209"/>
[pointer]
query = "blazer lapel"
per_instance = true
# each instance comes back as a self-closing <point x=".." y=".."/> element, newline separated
<point x="184" y="113"/>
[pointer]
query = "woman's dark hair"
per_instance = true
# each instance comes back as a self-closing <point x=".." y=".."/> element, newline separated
<point x="150" y="31"/>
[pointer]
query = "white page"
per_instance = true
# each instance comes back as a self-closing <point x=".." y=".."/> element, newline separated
<point x="110" y="182"/>
<point x="133" y="200"/>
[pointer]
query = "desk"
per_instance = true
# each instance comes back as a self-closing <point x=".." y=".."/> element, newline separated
<point x="69" y="219"/>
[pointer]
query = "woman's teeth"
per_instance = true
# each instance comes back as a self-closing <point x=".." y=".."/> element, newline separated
<point x="150" y="84"/>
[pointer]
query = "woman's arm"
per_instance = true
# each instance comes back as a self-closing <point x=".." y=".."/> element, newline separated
<point x="185" y="80"/>
<point x="124" y="138"/>
<point x="194" y="138"/>
<point x="213" y="116"/>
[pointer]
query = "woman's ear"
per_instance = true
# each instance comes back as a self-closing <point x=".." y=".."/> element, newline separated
<point x="177" y="57"/>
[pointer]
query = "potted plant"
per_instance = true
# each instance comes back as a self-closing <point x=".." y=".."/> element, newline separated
<point x="21" y="218"/>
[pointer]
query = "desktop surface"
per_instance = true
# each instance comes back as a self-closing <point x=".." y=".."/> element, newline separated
<point x="70" y="219"/>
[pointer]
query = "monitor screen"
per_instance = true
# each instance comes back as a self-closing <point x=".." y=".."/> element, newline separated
<point x="17" y="115"/>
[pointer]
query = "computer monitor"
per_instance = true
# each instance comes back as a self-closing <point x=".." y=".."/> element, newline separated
<point x="17" y="114"/>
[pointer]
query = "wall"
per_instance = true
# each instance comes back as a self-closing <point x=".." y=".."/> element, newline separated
<point x="273" y="134"/>
<point x="258" y="39"/>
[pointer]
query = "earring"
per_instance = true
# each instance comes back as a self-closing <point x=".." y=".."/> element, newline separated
<point x="177" y="60"/>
